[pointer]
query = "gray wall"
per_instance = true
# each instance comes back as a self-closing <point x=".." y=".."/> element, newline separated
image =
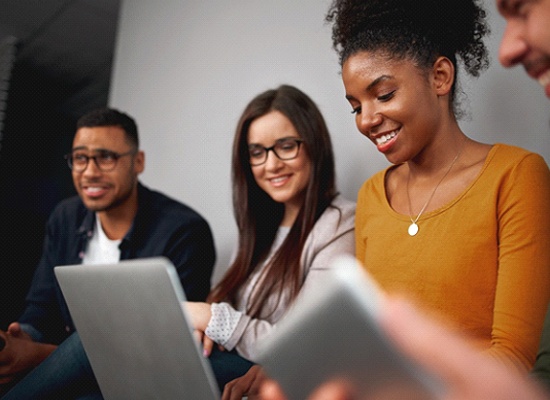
<point x="186" y="69"/>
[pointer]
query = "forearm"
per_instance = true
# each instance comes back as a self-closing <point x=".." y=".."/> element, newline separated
<point x="523" y="281"/>
<point x="236" y="330"/>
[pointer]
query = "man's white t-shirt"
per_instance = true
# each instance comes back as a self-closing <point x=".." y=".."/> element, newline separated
<point x="101" y="249"/>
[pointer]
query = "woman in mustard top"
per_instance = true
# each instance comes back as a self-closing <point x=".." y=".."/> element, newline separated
<point x="460" y="226"/>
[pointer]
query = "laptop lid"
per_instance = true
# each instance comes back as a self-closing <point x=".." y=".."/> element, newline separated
<point x="135" y="331"/>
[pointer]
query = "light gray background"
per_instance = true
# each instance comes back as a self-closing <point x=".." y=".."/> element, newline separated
<point x="186" y="69"/>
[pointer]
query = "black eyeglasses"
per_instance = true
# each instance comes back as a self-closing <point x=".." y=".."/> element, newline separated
<point x="105" y="160"/>
<point x="285" y="149"/>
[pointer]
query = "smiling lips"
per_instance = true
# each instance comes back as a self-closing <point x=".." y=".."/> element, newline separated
<point x="279" y="180"/>
<point x="384" y="138"/>
<point x="94" y="191"/>
<point x="384" y="142"/>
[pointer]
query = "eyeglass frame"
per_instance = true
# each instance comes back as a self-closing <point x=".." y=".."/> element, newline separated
<point x="114" y="154"/>
<point x="272" y="148"/>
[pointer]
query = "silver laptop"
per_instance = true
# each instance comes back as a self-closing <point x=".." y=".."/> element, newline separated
<point x="135" y="331"/>
<point x="334" y="334"/>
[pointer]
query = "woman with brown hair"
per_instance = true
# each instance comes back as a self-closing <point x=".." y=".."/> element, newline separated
<point x="291" y="220"/>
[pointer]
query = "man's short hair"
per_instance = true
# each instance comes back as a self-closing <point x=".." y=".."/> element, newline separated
<point x="110" y="117"/>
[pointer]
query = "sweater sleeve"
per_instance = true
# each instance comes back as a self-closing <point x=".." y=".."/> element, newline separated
<point x="247" y="331"/>
<point x="523" y="281"/>
<point x="223" y="324"/>
<point x="327" y="240"/>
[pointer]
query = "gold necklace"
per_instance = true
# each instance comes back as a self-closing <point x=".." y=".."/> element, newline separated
<point x="413" y="227"/>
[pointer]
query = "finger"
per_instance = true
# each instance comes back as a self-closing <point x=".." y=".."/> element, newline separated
<point x="230" y="391"/>
<point x="270" y="390"/>
<point x="226" y="395"/>
<point x="256" y="384"/>
<point x="14" y="329"/>
<point x="207" y="345"/>
<point x="335" y="390"/>
<point x="241" y="386"/>
<point x="235" y="390"/>
<point x="198" y="336"/>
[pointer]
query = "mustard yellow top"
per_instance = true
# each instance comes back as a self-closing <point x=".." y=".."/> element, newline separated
<point x="482" y="262"/>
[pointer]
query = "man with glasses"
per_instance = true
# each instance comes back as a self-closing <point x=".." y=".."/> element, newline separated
<point x="114" y="217"/>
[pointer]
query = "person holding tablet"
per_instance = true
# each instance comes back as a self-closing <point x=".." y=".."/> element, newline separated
<point x="458" y="226"/>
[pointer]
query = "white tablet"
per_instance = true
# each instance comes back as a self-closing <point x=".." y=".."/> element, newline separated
<point x="334" y="334"/>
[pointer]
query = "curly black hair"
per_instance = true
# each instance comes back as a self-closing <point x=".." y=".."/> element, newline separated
<point x="418" y="29"/>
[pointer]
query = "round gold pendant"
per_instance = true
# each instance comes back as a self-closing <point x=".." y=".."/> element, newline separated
<point x="413" y="229"/>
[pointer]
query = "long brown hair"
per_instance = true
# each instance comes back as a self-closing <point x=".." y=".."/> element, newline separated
<point x="258" y="216"/>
